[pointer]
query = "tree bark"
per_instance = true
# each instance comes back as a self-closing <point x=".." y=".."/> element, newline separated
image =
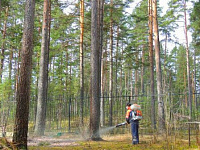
<point x="142" y="70"/>
<point x="103" y="83"/>
<point x="101" y="65"/>
<point x="116" y="61"/>
<point x="43" y="74"/>
<point x="136" y="79"/>
<point x="111" y="65"/>
<point x="195" y="81"/>
<point x="188" y="65"/>
<point x="153" y="119"/>
<point x="23" y="93"/>
<point x="94" y="98"/>
<point x="165" y="61"/>
<point x="161" y="116"/>
<point x="81" y="59"/>
<point x="102" y="95"/>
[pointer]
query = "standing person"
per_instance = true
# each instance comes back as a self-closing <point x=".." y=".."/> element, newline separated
<point x="133" y="118"/>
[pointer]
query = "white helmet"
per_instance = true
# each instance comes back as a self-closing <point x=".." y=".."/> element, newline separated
<point x="135" y="107"/>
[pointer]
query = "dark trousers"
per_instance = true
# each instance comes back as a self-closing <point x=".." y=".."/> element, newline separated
<point x="134" y="131"/>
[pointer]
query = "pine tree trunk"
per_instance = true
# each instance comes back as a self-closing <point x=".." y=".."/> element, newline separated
<point x="81" y="59"/>
<point x="101" y="12"/>
<point x="116" y="62"/>
<point x="102" y="95"/>
<point x="195" y="82"/>
<point x="111" y="66"/>
<point x="165" y="61"/>
<point x="43" y="74"/>
<point x="188" y="65"/>
<point x="94" y="98"/>
<point x="66" y="67"/>
<point x="142" y="70"/>
<point x="103" y="83"/>
<point x="131" y="84"/>
<point x="161" y="116"/>
<point x="153" y="119"/>
<point x="121" y="70"/>
<point x="23" y="93"/>
<point x="136" y="80"/>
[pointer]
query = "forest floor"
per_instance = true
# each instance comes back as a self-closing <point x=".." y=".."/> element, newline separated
<point x="112" y="142"/>
<point x="72" y="141"/>
<point x="54" y="141"/>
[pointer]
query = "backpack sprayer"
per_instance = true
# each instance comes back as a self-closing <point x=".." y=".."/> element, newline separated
<point x="138" y="116"/>
<point x="121" y="124"/>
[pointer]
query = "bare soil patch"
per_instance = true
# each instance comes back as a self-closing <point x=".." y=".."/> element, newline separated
<point x="55" y="141"/>
<point x="50" y="141"/>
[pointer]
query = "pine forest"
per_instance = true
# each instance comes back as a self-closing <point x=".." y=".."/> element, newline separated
<point x="68" y="68"/>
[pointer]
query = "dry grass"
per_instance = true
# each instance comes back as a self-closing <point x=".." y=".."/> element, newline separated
<point x="123" y="142"/>
<point x="6" y="145"/>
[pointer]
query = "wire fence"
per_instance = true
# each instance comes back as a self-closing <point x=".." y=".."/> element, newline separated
<point x="63" y="112"/>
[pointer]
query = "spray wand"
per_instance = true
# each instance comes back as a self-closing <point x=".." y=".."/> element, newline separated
<point x="121" y="124"/>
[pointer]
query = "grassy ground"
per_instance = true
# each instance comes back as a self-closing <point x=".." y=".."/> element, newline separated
<point x="123" y="142"/>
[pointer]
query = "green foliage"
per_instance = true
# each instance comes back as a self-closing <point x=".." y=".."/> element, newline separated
<point x="195" y="27"/>
<point x="4" y="3"/>
<point x="137" y="36"/>
<point x="181" y="69"/>
<point x="5" y="89"/>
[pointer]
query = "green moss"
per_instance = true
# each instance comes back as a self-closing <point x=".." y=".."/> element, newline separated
<point x="43" y="144"/>
<point x="5" y="144"/>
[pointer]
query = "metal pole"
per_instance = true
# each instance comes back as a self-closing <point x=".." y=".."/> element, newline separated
<point x="189" y="133"/>
<point x="69" y="113"/>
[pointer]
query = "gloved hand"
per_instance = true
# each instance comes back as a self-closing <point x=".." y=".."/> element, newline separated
<point x="127" y="120"/>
